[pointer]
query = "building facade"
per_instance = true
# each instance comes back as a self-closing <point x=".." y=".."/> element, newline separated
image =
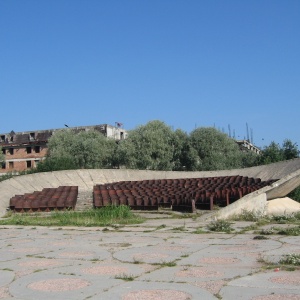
<point x="245" y="145"/>
<point x="24" y="150"/>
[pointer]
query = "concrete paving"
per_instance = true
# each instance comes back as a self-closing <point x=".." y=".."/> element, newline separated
<point x="162" y="258"/>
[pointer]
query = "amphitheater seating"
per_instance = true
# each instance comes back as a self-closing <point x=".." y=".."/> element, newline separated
<point x="63" y="197"/>
<point x="176" y="193"/>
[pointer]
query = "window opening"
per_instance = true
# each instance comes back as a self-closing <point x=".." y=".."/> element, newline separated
<point x="37" y="149"/>
<point x="28" y="150"/>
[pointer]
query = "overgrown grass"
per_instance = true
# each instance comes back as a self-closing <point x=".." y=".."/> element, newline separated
<point x="288" y="262"/>
<point x="106" y="216"/>
<point x="250" y="216"/>
<point x="220" y="226"/>
<point x="291" y="259"/>
<point x="293" y="231"/>
<point x="261" y="219"/>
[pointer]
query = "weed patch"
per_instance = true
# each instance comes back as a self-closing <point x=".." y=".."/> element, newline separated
<point x="291" y="259"/>
<point x="125" y="277"/>
<point x="106" y="216"/>
<point x="220" y="226"/>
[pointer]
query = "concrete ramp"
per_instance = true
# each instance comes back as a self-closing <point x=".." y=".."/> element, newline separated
<point x="288" y="172"/>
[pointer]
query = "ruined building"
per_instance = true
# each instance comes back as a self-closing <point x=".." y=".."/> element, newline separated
<point x="24" y="150"/>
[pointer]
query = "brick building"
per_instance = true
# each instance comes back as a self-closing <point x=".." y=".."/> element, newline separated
<point x="24" y="150"/>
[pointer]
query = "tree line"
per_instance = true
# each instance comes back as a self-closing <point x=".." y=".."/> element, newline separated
<point x="156" y="146"/>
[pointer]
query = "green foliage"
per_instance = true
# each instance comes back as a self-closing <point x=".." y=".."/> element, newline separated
<point x="185" y="157"/>
<point x="216" y="151"/>
<point x="156" y="146"/>
<point x="2" y="156"/>
<point x="149" y="147"/>
<point x="106" y="216"/>
<point x="291" y="259"/>
<point x="220" y="226"/>
<point x="293" y="231"/>
<point x="125" y="277"/>
<point x="250" y="216"/>
<point x="85" y="150"/>
<point x="295" y="194"/>
<point x="56" y="164"/>
<point x="275" y="153"/>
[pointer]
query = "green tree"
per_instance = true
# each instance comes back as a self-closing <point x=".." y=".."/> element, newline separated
<point x="185" y="157"/>
<point x="215" y="149"/>
<point x="249" y="159"/>
<point x="275" y="153"/>
<point x="271" y="154"/>
<point x="150" y="146"/>
<point x="86" y="149"/>
<point x="2" y="157"/>
<point x="290" y="150"/>
<point x="56" y="164"/>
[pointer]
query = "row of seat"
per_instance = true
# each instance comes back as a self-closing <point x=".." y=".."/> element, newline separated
<point x="63" y="197"/>
<point x="177" y="193"/>
<point x="185" y="182"/>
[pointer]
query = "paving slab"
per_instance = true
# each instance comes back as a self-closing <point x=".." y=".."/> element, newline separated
<point x="144" y="261"/>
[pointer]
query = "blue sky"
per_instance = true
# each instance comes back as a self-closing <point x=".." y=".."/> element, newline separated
<point x="189" y="63"/>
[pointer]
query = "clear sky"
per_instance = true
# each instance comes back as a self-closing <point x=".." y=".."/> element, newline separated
<point x="185" y="62"/>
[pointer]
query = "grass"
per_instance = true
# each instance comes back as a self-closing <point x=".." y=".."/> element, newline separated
<point x="220" y="226"/>
<point x="262" y="219"/>
<point x="291" y="259"/>
<point x="260" y="237"/>
<point x="288" y="262"/>
<point x="292" y="231"/>
<point x="106" y="216"/>
<point x="125" y="277"/>
<point x="200" y="230"/>
<point x="166" y="264"/>
<point x="180" y="228"/>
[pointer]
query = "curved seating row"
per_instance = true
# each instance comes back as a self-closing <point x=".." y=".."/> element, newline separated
<point x="177" y="193"/>
<point x="63" y="197"/>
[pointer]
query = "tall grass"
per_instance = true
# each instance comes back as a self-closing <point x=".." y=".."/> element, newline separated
<point x="105" y="216"/>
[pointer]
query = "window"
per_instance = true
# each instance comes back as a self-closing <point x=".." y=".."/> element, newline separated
<point x="121" y="135"/>
<point x="3" y="165"/>
<point x="4" y="151"/>
<point x="11" y="164"/>
<point x="28" y="163"/>
<point x="32" y="136"/>
<point x="37" y="149"/>
<point x="2" y="139"/>
<point x="11" y="151"/>
<point x="28" y="150"/>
